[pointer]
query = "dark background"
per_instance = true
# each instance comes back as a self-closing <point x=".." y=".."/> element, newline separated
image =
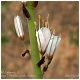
<point x="64" y="18"/>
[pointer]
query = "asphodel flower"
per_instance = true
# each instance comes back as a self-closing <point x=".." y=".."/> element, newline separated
<point x="43" y="36"/>
<point x="52" y="45"/>
<point x="18" y="27"/>
<point x="47" y="42"/>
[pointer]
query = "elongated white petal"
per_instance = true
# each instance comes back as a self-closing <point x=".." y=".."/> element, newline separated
<point x="47" y="34"/>
<point x="41" y="40"/>
<point x="48" y="50"/>
<point x="55" y="43"/>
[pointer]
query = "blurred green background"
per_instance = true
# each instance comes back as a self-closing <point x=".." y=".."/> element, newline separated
<point x="64" y="18"/>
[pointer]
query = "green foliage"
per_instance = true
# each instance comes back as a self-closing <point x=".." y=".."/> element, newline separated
<point x="4" y="5"/>
<point x="74" y="37"/>
<point x="4" y="39"/>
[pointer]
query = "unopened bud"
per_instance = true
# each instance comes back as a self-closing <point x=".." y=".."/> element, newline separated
<point x="25" y="12"/>
<point x="35" y="3"/>
<point x="18" y="27"/>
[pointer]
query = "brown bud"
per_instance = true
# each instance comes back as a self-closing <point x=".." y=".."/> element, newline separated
<point x="25" y="12"/>
<point x="35" y="3"/>
<point x="27" y="51"/>
<point x="41" y="62"/>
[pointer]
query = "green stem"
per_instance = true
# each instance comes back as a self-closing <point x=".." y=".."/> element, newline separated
<point x="33" y="42"/>
<point x="49" y="61"/>
<point x="23" y="44"/>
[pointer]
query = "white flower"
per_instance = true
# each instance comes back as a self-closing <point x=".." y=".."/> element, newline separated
<point x="47" y="43"/>
<point x="52" y="45"/>
<point x="43" y="36"/>
<point x="18" y="27"/>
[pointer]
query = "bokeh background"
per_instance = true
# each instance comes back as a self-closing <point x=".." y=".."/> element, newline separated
<point x="64" y="18"/>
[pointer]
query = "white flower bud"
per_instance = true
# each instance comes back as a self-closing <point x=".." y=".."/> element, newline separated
<point x="18" y="27"/>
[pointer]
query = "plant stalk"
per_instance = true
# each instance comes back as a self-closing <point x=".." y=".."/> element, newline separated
<point x="33" y="42"/>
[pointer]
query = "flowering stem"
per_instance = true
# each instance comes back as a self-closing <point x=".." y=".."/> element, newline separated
<point x="23" y="44"/>
<point x="49" y="61"/>
<point x="33" y="42"/>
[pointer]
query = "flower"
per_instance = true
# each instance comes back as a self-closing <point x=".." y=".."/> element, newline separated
<point x="18" y="27"/>
<point x="47" y="42"/>
<point x="43" y="36"/>
<point x="52" y="45"/>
